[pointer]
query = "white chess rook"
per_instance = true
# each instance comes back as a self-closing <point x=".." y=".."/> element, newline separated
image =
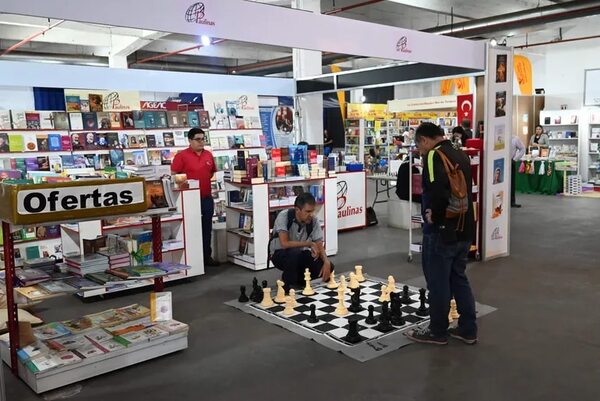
<point x="267" y="302"/>
<point x="358" y="270"/>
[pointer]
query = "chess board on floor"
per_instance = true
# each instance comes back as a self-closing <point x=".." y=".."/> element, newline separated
<point x="336" y="327"/>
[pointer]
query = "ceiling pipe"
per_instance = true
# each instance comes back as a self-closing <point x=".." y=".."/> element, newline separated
<point x="182" y="67"/>
<point x="351" y="7"/>
<point x="163" y="55"/>
<point x="555" y="42"/>
<point x="75" y="59"/>
<point x="30" y="38"/>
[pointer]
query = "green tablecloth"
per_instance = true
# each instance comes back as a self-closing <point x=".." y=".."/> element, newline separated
<point x="536" y="183"/>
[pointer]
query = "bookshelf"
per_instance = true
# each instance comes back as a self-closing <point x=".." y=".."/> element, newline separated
<point x="250" y="219"/>
<point x="562" y="127"/>
<point x="591" y="151"/>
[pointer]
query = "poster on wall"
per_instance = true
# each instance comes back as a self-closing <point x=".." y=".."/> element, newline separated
<point x="278" y="126"/>
<point x="351" y="200"/>
<point x="496" y="214"/>
<point x="88" y="100"/>
<point x="232" y="110"/>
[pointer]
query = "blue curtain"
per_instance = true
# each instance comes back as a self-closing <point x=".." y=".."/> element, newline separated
<point x="49" y="99"/>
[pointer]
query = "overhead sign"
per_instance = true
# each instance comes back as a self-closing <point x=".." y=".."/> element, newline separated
<point x="356" y="111"/>
<point x="426" y="103"/>
<point x="101" y="100"/>
<point x="230" y="19"/>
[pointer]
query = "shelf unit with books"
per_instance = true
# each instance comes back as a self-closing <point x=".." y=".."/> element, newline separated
<point x="562" y="127"/>
<point x="590" y="147"/>
<point x="16" y="211"/>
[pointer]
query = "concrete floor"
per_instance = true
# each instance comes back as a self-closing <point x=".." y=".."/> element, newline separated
<point x="543" y="343"/>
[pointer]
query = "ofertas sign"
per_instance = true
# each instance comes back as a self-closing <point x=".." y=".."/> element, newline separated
<point x="351" y="200"/>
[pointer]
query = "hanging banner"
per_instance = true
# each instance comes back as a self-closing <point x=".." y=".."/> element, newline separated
<point x="524" y="74"/>
<point x="464" y="108"/>
<point x="351" y="200"/>
<point x="89" y="100"/>
<point x="341" y="95"/>
<point x="232" y="110"/>
<point x="463" y="85"/>
<point x="497" y="162"/>
<point x="446" y="87"/>
<point x="425" y="103"/>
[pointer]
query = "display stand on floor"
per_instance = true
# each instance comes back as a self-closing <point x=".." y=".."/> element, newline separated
<point x="33" y="204"/>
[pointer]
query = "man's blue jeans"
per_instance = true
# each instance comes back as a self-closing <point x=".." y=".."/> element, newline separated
<point x="444" y="266"/>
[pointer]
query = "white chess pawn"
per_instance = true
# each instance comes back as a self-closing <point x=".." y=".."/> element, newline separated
<point x="307" y="289"/>
<point x="453" y="310"/>
<point x="280" y="296"/>
<point x="293" y="296"/>
<point x="267" y="301"/>
<point x="343" y="282"/>
<point x="353" y="281"/>
<point x="341" y="309"/>
<point x="289" y="306"/>
<point x="391" y="284"/>
<point x="385" y="295"/>
<point x="359" y="273"/>
<point x="332" y="284"/>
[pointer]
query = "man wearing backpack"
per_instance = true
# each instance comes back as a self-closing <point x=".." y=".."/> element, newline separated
<point x="448" y="233"/>
<point x="297" y="243"/>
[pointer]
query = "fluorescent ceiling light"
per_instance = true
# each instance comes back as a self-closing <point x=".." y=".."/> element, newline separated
<point x="205" y="40"/>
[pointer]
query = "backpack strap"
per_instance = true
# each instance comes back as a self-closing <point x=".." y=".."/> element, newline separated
<point x="291" y="217"/>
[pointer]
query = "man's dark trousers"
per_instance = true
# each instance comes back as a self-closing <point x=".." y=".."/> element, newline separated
<point x="207" y="206"/>
<point x="293" y="261"/>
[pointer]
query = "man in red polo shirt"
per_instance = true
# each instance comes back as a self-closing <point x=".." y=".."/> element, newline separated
<point x="198" y="164"/>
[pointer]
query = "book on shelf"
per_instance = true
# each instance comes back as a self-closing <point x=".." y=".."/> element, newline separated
<point x="127" y="120"/>
<point x="16" y="143"/>
<point x="73" y="103"/>
<point x="34" y="293"/>
<point x="54" y="142"/>
<point x="90" y="121"/>
<point x="50" y="331"/>
<point x="29" y="277"/>
<point x="173" y="119"/>
<point x="151" y="140"/>
<point x="168" y="139"/>
<point x="5" y="123"/>
<point x="179" y="138"/>
<point x="193" y="119"/>
<point x="204" y="119"/>
<point x="161" y="307"/>
<point x="60" y="120"/>
<point x="65" y="143"/>
<point x="19" y="120"/>
<point x="30" y="142"/>
<point x="138" y="119"/>
<point x="95" y="102"/>
<point x="103" y="119"/>
<point x="33" y="120"/>
<point x="150" y="119"/>
<point x="161" y="119"/>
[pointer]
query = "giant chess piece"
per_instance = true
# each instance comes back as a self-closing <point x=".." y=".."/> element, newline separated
<point x="371" y="318"/>
<point x="257" y="293"/>
<point x="385" y="295"/>
<point x="343" y="283"/>
<point x="353" y="281"/>
<point x="406" y="296"/>
<point x="289" y="306"/>
<point x="355" y="301"/>
<point x="384" y="320"/>
<point x="280" y="296"/>
<point x="243" y="297"/>
<point x="293" y="296"/>
<point x="332" y="284"/>
<point x="353" y="336"/>
<point x="312" y="319"/>
<point x="453" y="315"/>
<point x="267" y="301"/>
<point x="396" y="314"/>
<point x="423" y="310"/>
<point x="307" y="289"/>
<point x="391" y="284"/>
<point x="264" y="284"/>
<point x="358" y="270"/>
<point x="341" y="309"/>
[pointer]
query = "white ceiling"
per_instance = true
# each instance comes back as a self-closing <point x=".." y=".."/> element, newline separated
<point x="89" y="40"/>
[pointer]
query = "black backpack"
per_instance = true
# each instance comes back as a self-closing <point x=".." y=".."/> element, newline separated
<point x="291" y="217"/>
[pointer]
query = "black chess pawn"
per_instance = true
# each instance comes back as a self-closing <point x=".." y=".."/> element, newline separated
<point x="353" y="335"/>
<point x="371" y="318"/>
<point x="313" y="314"/>
<point x="405" y="296"/>
<point x="243" y="297"/>
<point x="423" y="310"/>
<point x="384" y="319"/>
<point x="264" y="284"/>
<point x="355" y="301"/>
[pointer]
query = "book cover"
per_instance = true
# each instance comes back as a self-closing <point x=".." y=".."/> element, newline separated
<point x="11" y="174"/>
<point x="57" y="287"/>
<point x="132" y="141"/>
<point x="232" y="122"/>
<point x="79" y="161"/>
<point x="4" y="143"/>
<point x="143" y="247"/>
<point x="102" y="162"/>
<point x="117" y="157"/>
<point x="155" y="194"/>
<point x="43" y="163"/>
<point x="46" y="120"/>
<point x="90" y="120"/>
<point x="18" y="119"/>
<point x="134" y="312"/>
<point x="138" y="119"/>
<point x="73" y="103"/>
<point x="166" y="157"/>
<point x="183" y="118"/>
<point x="161" y="119"/>
<point x="41" y="363"/>
<point x="168" y="139"/>
<point x="179" y="138"/>
<point x="78" y="141"/>
<point x="154" y="332"/>
<point x="89" y="351"/>
<point x="160" y="140"/>
<point x="67" y="358"/>
<point x="50" y="331"/>
<point x="95" y="101"/>
<point x="102" y="140"/>
<point x="173" y="119"/>
<point x="76" y="120"/>
<point x="173" y="326"/>
<point x="150" y="120"/>
<point x="91" y="142"/>
<point x="56" y="164"/>
<point x="193" y="119"/>
<point x="30" y="142"/>
<point x="111" y="345"/>
<point x="115" y="120"/>
<point x="5" y="120"/>
<point x="123" y="140"/>
<point x="151" y="140"/>
<point x="154" y="158"/>
<point x="61" y="120"/>
<point x="98" y="335"/>
<point x="33" y="120"/>
<point x="74" y="340"/>
<point x="127" y="120"/>
<point x="42" y="142"/>
<point x="204" y="119"/>
<point x="112" y="140"/>
<point x="54" y="142"/>
<point x="141" y="141"/>
<point x="104" y="120"/>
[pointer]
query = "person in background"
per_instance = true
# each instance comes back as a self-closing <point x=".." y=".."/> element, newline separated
<point x="446" y="242"/>
<point x="466" y="125"/>
<point x="198" y="164"/>
<point x="327" y="143"/>
<point x="300" y="245"/>
<point x="517" y="151"/>
<point x="479" y="130"/>
<point x="539" y="139"/>
<point x="458" y="137"/>
<point x="403" y="182"/>
<point x="409" y="136"/>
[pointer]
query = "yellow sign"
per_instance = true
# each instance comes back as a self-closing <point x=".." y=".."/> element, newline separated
<point x="367" y="111"/>
<point x="524" y="74"/>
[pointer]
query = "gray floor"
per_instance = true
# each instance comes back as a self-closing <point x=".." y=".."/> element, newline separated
<point x="542" y="344"/>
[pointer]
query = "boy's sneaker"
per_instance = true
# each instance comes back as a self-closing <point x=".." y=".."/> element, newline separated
<point x="455" y="332"/>
<point x="425" y="336"/>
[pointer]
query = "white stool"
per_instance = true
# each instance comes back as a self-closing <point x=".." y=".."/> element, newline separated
<point x="399" y="213"/>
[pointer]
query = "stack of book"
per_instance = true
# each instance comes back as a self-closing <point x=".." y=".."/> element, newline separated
<point x="148" y="172"/>
<point x="116" y="258"/>
<point x="81" y="265"/>
<point x="28" y="277"/>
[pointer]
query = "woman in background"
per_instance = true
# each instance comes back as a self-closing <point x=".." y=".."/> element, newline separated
<point x="539" y="139"/>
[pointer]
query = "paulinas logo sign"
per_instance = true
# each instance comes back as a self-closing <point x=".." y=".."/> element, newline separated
<point x="344" y="209"/>
<point x="196" y="14"/>
<point x="402" y="45"/>
<point x="243" y="103"/>
<point x="112" y="102"/>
